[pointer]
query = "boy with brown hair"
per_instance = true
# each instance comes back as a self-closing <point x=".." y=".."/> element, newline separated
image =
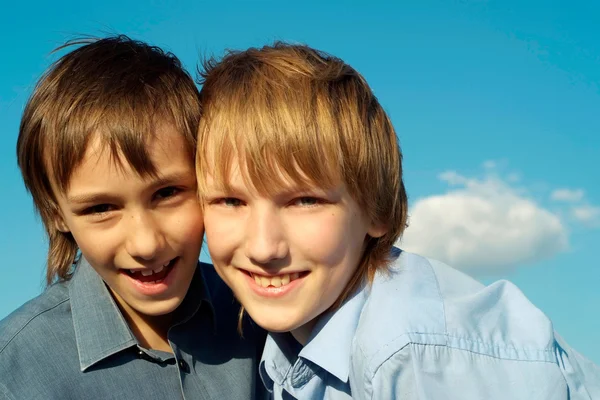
<point x="300" y="175"/>
<point x="106" y="147"/>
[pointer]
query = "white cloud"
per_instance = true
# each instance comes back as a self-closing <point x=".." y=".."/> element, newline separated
<point x="580" y="208"/>
<point x="567" y="195"/>
<point x="453" y="178"/>
<point x="586" y="214"/>
<point x="483" y="226"/>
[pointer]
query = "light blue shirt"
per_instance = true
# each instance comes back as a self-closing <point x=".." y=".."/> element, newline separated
<point x="427" y="331"/>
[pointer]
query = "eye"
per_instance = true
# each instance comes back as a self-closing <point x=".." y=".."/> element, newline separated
<point x="167" y="192"/>
<point x="98" y="209"/>
<point x="231" y="202"/>
<point x="306" y="201"/>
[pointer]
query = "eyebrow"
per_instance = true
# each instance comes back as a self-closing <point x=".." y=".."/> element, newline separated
<point x="163" y="180"/>
<point x="285" y="191"/>
<point x="87" y="198"/>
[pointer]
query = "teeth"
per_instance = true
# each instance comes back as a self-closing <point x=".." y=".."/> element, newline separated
<point x="167" y="263"/>
<point x="148" y="272"/>
<point x="276" y="281"/>
<point x="264" y="281"/>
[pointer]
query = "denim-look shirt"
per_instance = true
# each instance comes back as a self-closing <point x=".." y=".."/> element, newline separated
<point x="426" y="331"/>
<point x="72" y="342"/>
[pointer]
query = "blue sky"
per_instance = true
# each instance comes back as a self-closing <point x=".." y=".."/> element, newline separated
<point x="495" y="103"/>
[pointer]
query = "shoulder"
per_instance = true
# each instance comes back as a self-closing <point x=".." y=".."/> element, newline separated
<point x="36" y="342"/>
<point x="496" y="320"/>
<point x="429" y="330"/>
<point x="424" y="303"/>
<point x="34" y="318"/>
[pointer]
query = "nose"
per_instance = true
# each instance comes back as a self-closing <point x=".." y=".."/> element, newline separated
<point x="265" y="236"/>
<point x="145" y="239"/>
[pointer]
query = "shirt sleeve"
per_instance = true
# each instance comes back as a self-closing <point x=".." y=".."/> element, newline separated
<point x="441" y="372"/>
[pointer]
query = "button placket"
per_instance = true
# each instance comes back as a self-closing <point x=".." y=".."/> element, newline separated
<point x="143" y="355"/>
<point x="183" y="366"/>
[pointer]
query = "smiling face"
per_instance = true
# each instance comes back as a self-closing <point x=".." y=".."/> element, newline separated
<point x="288" y="255"/>
<point x="141" y="234"/>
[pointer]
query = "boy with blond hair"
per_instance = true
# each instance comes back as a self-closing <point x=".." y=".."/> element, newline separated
<point x="106" y="148"/>
<point x="300" y="177"/>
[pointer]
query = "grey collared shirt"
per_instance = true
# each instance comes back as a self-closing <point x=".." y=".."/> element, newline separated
<point x="72" y="342"/>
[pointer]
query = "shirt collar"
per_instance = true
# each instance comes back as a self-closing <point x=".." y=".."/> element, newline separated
<point x="335" y="332"/>
<point x="278" y="357"/>
<point x="329" y="345"/>
<point x="100" y="328"/>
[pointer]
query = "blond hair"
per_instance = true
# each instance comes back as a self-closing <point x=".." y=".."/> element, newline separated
<point x="116" y="89"/>
<point x="293" y="112"/>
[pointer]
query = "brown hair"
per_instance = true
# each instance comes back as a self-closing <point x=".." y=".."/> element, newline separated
<point x="115" y="88"/>
<point x="290" y="111"/>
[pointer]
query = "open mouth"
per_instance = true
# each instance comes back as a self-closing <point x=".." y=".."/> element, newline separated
<point x="276" y="281"/>
<point x="153" y="276"/>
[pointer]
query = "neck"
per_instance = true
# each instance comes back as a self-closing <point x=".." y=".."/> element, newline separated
<point x="150" y="331"/>
<point x="302" y="333"/>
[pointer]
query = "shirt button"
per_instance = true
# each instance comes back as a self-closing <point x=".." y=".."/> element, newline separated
<point x="183" y="366"/>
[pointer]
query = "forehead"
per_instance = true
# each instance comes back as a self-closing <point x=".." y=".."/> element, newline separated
<point x="126" y="142"/>
<point x="166" y="150"/>
<point x="269" y="177"/>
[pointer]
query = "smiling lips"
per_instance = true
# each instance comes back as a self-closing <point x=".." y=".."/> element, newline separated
<point x="152" y="276"/>
<point x="274" y="281"/>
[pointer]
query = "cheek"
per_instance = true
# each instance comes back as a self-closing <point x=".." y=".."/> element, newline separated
<point x="328" y="239"/>
<point x="98" y="247"/>
<point x="223" y="235"/>
<point x="189" y="223"/>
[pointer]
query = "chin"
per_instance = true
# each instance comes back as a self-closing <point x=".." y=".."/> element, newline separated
<point x="276" y="325"/>
<point x="157" y="310"/>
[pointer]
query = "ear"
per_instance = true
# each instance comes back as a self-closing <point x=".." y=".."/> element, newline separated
<point x="59" y="223"/>
<point x="377" y="230"/>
